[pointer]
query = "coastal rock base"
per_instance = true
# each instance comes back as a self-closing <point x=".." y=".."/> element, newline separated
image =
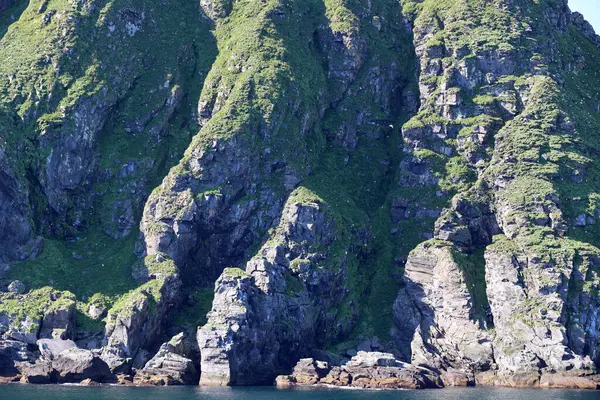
<point x="367" y="370"/>
<point x="546" y="380"/>
<point x="376" y="370"/>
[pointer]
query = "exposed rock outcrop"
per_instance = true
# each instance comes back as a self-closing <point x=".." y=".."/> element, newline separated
<point x="171" y="365"/>
<point x="63" y="362"/>
<point x="16" y="235"/>
<point x="501" y="256"/>
<point x="76" y="365"/>
<point x="365" y="370"/>
<point x="167" y="368"/>
<point x="42" y="313"/>
<point x="264" y="318"/>
<point x="448" y="334"/>
<point x="137" y="321"/>
<point x="12" y="354"/>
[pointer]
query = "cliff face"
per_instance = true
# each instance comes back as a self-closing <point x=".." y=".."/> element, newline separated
<point x="279" y="179"/>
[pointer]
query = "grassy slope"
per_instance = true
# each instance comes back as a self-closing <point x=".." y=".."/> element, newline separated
<point x="89" y="261"/>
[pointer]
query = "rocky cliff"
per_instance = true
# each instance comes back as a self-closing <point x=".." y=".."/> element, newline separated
<point x="218" y="191"/>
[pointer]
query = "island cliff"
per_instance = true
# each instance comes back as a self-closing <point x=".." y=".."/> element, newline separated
<point x="367" y="193"/>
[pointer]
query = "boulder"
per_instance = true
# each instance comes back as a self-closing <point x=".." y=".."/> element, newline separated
<point x="364" y="359"/>
<point x="308" y="371"/>
<point x="454" y="377"/>
<point x="284" y="381"/>
<point x="337" y="377"/>
<point x="185" y="344"/>
<point x="96" y="311"/>
<point x="17" y="287"/>
<point x="167" y="368"/>
<point x="376" y="370"/>
<point x="40" y="372"/>
<point x="75" y="365"/>
<point x="50" y="348"/>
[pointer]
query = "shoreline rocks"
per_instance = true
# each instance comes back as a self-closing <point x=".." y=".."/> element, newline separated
<point x="167" y="368"/>
<point x="366" y="370"/>
<point x="376" y="370"/>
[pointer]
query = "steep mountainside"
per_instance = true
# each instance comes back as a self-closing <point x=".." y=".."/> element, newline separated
<point x="212" y="191"/>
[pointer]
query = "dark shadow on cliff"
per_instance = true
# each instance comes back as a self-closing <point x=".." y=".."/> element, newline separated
<point x="11" y="14"/>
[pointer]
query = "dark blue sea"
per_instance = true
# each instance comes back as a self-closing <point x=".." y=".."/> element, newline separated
<point x="55" y="392"/>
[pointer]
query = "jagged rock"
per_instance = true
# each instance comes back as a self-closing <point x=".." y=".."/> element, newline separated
<point x="75" y="365"/>
<point x="167" y="368"/>
<point x="198" y="217"/>
<point x="529" y="331"/>
<point x="17" y="287"/>
<point x="140" y="359"/>
<point x="185" y="344"/>
<point x="308" y="371"/>
<point x="24" y="330"/>
<point x="96" y="311"/>
<point x="136" y="324"/>
<point x="447" y="334"/>
<point x="503" y="121"/>
<point x="466" y="223"/>
<point x="371" y="370"/>
<point x="90" y="339"/>
<point x="406" y="320"/>
<point x="138" y="321"/>
<point x="245" y="340"/>
<point x="585" y="28"/>
<point x="13" y="354"/>
<point x="50" y="348"/>
<point x="124" y="380"/>
<point x="364" y="359"/>
<point x="59" y="323"/>
<point x="216" y="9"/>
<point x="50" y="313"/>
<point x="40" y="372"/>
<point x="327" y="356"/>
<point x="232" y="293"/>
<point x="452" y="377"/>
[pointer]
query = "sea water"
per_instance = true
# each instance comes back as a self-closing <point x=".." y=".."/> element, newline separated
<point x="56" y="392"/>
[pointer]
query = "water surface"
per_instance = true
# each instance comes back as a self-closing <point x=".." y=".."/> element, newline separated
<point x="56" y="392"/>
